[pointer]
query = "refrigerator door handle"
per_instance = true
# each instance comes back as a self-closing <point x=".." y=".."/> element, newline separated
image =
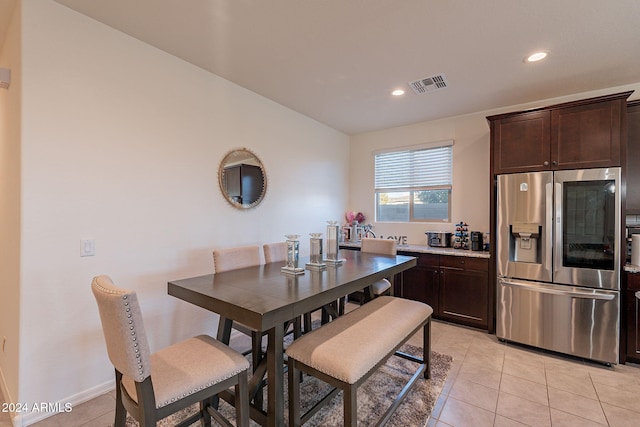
<point x="557" y="230"/>
<point x="554" y="291"/>
<point x="548" y="231"/>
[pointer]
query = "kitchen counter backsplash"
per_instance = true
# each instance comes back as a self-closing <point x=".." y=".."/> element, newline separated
<point x="424" y="249"/>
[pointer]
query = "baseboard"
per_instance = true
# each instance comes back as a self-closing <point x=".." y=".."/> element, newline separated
<point x="32" y="417"/>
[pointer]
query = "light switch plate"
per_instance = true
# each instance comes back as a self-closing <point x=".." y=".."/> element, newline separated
<point x="87" y="247"/>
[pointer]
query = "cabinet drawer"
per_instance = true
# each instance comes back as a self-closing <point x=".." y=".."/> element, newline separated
<point x="431" y="260"/>
<point x="466" y="263"/>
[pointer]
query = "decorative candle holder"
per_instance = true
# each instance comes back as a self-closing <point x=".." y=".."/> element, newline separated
<point x="315" y="262"/>
<point x="293" y="248"/>
<point x="333" y="232"/>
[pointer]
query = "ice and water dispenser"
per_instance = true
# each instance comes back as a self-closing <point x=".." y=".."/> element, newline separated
<point x="524" y="245"/>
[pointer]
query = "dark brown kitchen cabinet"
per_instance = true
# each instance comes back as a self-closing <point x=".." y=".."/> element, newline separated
<point x="456" y="287"/>
<point x="521" y="142"/>
<point x="574" y="135"/>
<point x="422" y="282"/>
<point x="464" y="290"/>
<point x="633" y="157"/>
<point x="633" y="317"/>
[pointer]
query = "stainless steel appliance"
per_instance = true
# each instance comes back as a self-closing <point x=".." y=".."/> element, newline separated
<point x="438" y="239"/>
<point x="558" y="261"/>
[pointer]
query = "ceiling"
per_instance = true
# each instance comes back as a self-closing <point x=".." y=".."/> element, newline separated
<point x="337" y="60"/>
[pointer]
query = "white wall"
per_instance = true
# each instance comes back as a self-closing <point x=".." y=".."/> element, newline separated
<point x="10" y="210"/>
<point x="471" y="181"/>
<point x="121" y="144"/>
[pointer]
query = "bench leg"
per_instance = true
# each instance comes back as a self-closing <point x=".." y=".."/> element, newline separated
<point x="426" y="346"/>
<point x="350" y="395"/>
<point x="294" y="394"/>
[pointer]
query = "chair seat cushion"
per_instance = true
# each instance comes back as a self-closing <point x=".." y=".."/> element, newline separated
<point x="351" y="345"/>
<point x="189" y="366"/>
<point x="380" y="287"/>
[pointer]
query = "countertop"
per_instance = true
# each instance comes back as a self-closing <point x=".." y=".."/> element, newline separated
<point x="424" y="249"/>
<point x="630" y="268"/>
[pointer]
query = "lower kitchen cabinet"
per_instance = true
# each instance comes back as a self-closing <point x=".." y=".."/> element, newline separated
<point x="464" y="290"/>
<point x="422" y="282"/>
<point x="456" y="287"/>
<point x="633" y="317"/>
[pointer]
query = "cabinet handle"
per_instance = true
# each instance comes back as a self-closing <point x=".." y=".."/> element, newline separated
<point x="461" y="261"/>
<point x="546" y="163"/>
<point x="555" y="163"/>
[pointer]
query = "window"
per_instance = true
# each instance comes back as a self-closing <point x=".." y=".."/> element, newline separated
<point x="414" y="184"/>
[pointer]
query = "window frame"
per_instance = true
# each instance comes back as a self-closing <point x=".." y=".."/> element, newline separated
<point x="412" y="190"/>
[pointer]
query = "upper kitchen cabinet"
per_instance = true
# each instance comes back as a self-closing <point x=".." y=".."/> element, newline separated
<point x="633" y="154"/>
<point x="574" y="135"/>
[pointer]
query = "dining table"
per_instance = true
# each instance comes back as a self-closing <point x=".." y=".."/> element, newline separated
<point x="265" y="299"/>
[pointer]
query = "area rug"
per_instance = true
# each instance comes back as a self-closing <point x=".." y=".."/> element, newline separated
<point x="374" y="396"/>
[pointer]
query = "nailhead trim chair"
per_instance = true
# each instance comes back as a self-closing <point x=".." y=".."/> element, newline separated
<point x="275" y="252"/>
<point x="152" y="386"/>
<point x="376" y="246"/>
<point x="229" y="259"/>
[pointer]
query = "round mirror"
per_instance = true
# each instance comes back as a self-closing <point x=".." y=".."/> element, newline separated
<point x="242" y="178"/>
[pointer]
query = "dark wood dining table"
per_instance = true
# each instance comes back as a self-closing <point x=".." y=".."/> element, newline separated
<point x="264" y="299"/>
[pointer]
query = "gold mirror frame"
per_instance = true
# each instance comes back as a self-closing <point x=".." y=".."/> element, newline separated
<point x="242" y="178"/>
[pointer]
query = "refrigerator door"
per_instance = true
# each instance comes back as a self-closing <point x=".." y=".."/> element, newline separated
<point x="524" y="226"/>
<point x="582" y="322"/>
<point x="587" y="228"/>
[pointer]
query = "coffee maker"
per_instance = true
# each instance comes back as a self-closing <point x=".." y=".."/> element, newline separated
<point x="476" y="241"/>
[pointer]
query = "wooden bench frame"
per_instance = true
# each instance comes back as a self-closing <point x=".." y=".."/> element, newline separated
<point x="350" y="390"/>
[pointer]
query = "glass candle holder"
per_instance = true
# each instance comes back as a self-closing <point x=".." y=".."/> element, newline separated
<point x="333" y="233"/>
<point x="315" y="261"/>
<point x="293" y="250"/>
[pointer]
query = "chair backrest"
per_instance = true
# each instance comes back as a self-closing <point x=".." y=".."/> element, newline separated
<point x="235" y="258"/>
<point x="274" y="252"/>
<point x="123" y="328"/>
<point x="379" y="246"/>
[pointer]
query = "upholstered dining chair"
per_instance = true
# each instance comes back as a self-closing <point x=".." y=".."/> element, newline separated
<point x="275" y="252"/>
<point x="236" y="258"/>
<point x="376" y="246"/>
<point x="229" y="259"/>
<point x="152" y="386"/>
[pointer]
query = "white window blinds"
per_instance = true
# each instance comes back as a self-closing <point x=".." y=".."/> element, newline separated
<point x="418" y="168"/>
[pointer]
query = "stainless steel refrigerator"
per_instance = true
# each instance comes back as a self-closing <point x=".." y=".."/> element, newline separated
<point x="558" y="261"/>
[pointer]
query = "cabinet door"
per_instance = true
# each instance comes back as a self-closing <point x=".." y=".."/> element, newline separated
<point x="588" y="135"/>
<point x="633" y="154"/>
<point x="421" y="283"/>
<point x="464" y="296"/>
<point x="521" y="143"/>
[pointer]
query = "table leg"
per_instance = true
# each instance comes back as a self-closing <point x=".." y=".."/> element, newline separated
<point x="275" y="377"/>
<point x="224" y="330"/>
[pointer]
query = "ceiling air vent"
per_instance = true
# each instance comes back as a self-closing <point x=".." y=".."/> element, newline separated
<point x="429" y="84"/>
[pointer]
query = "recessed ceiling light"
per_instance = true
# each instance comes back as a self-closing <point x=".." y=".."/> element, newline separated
<point x="398" y="92"/>
<point x="536" y="56"/>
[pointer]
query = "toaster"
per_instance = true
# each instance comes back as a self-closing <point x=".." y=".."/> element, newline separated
<point x="438" y="239"/>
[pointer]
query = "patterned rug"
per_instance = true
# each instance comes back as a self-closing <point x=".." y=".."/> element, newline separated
<point x="374" y="396"/>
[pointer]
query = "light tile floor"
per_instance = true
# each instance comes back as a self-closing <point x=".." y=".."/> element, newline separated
<point x="490" y="384"/>
<point x="496" y="384"/>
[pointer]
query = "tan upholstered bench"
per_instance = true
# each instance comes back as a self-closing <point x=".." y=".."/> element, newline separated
<point x="345" y="352"/>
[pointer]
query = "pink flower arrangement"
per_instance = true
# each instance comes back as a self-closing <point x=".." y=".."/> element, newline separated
<point x="353" y="216"/>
